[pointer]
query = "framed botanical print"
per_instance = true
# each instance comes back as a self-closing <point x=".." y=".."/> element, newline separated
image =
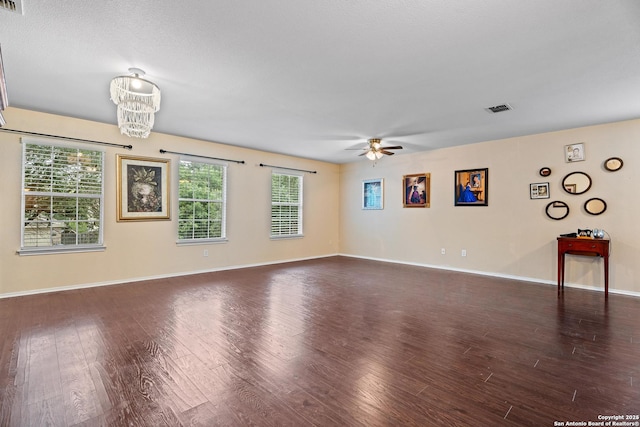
<point x="373" y="194"/>
<point x="142" y="188"/>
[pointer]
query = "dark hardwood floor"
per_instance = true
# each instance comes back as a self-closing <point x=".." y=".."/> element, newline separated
<point x="327" y="342"/>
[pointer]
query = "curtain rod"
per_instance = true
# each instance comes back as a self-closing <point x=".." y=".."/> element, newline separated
<point x="291" y="169"/>
<point x="88" y="141"/>
<point x="203" y="157"/>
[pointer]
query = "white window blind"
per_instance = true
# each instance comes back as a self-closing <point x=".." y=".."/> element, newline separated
<point x="202" y="201"/>
<point x="62" y="197"/>
<point x="286" y="205"/>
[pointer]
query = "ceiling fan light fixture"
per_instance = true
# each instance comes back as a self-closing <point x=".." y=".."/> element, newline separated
<point x="138" y="100"/>
<point x="374" y="143"/>
<point x="375" y="151"/>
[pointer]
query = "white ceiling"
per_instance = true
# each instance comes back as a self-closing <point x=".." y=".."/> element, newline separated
<point x="312" y="78"/>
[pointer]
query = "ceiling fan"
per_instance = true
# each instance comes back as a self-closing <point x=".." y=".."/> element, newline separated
<point x="375" y="150"/>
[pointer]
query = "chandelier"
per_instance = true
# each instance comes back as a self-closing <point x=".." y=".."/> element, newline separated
<point x="138" y="100"/>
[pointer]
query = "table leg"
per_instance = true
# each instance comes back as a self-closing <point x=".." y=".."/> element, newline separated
<point x="560" y="271"/>
<point x="606" y="277"/>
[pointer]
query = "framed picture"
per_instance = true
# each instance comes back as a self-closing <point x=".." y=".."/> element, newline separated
<point x="142" y="188"/>
<point x="574" y="152"/>
<point x="373" y="194"/>
<point x="471" y="187"/>
<point x="539" y="190"/>
<point x="417" y="190"/>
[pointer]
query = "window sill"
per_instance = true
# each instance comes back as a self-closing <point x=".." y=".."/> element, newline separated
<point x="55" y="250"/>
<point x="288" y="236"/>
<point x="201" y="241"/>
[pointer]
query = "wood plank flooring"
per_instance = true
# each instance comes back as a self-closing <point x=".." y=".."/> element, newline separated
<point x="328" y="342"/>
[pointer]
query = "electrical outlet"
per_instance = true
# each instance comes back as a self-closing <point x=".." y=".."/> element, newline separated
<point x="464" y="252"/>
<point x="206" y="252"/>
<point x="442" y="251"/>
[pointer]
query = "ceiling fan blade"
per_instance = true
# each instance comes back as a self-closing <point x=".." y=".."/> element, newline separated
<point x="403" y="134"/>
<point x="336" y="138"/>
<point x="395" y="147"/>
<point x="363" y="153"/>
<point x="388" y="153"/>
<point x="356" y="149"/>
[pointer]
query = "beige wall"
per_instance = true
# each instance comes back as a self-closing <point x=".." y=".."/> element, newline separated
<point x="512" y="236"/>
<point x="138" y="250"/>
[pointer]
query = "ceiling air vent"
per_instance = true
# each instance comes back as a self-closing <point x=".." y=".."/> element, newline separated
<point x="499" y="108"/>
<point x="11" y="6"/>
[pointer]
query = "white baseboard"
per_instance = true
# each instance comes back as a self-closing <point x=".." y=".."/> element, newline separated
<point x="504" y="276"/>
<point x="160" y="276"/>
<point x="237" y="267"/>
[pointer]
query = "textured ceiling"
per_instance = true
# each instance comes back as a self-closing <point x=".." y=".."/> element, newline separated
<point x="312" y="78"/>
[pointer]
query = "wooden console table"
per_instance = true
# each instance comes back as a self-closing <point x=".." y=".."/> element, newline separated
<point x="588" y="247"/>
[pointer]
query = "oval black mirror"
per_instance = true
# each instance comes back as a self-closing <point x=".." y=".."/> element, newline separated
<point x="613" y="164"/>
<point x="576" y="183"/>
<point x="557" y="210"/>
<point x="595" y="206"/>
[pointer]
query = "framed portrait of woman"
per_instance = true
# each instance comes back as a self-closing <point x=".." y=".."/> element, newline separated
<point x="416" y="190"/>
<point x="471" y="187"/>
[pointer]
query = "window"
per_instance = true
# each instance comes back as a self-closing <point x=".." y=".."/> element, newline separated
<point x="286" y="205"/>
<point x="202" y="201"/>
<point x="62" y="198"/>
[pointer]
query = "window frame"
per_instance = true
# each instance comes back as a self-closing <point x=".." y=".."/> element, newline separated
<point x="299" y="204"/>
<point x="204" y="240"/>
<point x="60" y="248"/>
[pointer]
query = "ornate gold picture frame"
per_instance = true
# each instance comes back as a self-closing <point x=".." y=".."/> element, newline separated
<point x="142" y="189"/>
<point x="416" y="190"/>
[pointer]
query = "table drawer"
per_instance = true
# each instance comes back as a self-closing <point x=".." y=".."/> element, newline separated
<point x="583" y="246"/>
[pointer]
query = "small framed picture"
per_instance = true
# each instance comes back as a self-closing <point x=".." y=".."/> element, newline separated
<point x="471" y="187"/>
<point x="373" y="194"/>
<point x="539" y="190"/>
<point x="574" y="152"/>
<point x="416" y="190"/>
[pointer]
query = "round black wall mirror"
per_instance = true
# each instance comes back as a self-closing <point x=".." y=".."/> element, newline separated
<point x="613" y="164"/>
<point x="557" y="210"/>
<point x="576" y="183"/>
<point x="595" y="206"/>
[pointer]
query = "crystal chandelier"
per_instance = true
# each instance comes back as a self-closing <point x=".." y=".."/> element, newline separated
<point x="137" y="100"/>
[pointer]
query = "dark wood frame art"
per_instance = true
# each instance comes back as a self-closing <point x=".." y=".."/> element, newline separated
<point x="471" y="187"/>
